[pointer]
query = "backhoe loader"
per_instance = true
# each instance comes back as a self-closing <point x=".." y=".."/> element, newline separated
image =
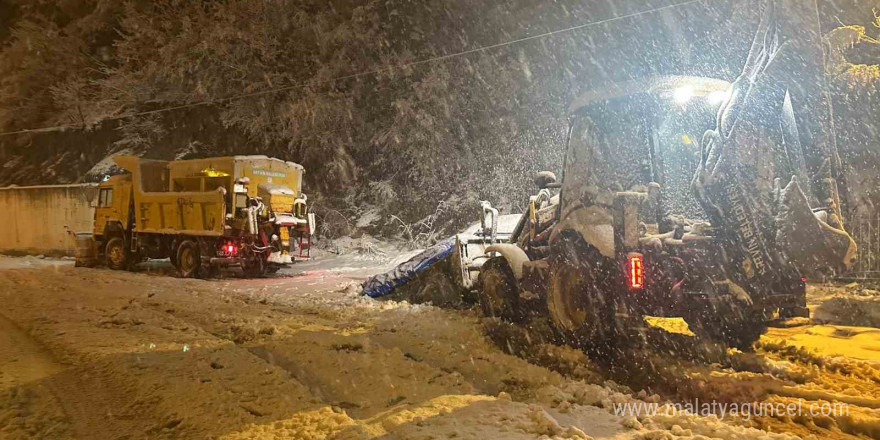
<point x="672" y="203"/>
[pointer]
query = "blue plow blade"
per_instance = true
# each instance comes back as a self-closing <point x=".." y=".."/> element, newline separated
<point x="384" y="284"/>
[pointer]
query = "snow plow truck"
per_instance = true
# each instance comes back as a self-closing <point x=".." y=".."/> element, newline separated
<point x="202" y="214"/>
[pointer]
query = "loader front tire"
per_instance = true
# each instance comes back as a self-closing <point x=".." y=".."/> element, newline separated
<point x="499" y="291"/>
<point x="189" y="260"/>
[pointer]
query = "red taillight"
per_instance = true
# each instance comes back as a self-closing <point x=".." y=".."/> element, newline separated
<point x="634" y="272"/>
<point x="228" y="249"/>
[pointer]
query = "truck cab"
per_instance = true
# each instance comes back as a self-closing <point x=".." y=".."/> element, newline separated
<point x="112" y="206"/>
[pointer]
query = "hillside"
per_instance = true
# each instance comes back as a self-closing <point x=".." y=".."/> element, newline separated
<point x="387" y="104"/>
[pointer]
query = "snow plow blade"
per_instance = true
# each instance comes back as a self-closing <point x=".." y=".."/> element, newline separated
<point x="384" y="284"/>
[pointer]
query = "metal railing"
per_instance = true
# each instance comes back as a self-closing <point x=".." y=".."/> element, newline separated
<point x="865" y="229"/>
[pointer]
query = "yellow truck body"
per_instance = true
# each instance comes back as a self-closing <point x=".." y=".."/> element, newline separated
<point x="184" y="196"/>
<point x="235" y="210"/>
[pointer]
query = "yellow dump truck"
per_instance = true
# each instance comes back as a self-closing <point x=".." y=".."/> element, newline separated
<point x="203" y="214"/>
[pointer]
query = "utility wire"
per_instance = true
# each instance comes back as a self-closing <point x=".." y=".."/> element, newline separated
<point x="364" y="73"/>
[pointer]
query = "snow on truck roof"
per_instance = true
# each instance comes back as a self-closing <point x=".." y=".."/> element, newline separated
<point x="240" y="158"/>
<point x="262" y="157"/>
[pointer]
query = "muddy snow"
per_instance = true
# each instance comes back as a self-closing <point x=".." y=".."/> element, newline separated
<point x="100" y="354"/>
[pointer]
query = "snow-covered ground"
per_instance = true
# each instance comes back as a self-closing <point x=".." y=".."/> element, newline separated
<point x="94" y="353"/>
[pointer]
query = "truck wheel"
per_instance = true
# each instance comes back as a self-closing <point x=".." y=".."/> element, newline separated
<point x="574" y="301"/>
<point x="189" y="260"/>
<point x="255" y="267"/>
<point x="173" y="254"/>
<point x="499" y="291"/>
<point x="116" y="254"/>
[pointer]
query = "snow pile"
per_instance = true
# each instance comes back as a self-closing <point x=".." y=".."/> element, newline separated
<point x="852" y="305"/>
<point x="32" y="261"/>
<point x="306" y="357"/>
<point x="319" y="424"/>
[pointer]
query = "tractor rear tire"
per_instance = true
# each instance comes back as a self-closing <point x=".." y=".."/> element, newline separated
<point x="189" y="260"/>
<point x="499" y="291"/>
<point x="115" y="254"/>
<point x="575" y="301"/>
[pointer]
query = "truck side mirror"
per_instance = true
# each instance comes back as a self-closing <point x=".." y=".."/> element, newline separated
<point x="545" y="179"/>
<point x="91" y="196"/>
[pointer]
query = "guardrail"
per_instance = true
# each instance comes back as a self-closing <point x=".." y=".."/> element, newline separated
<point x="865" y="229"/>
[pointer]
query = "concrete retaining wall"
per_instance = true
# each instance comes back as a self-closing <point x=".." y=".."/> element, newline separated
<point x="33" y="218"/>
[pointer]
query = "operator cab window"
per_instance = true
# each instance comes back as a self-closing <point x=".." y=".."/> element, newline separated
<point x="105" y="197"/>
